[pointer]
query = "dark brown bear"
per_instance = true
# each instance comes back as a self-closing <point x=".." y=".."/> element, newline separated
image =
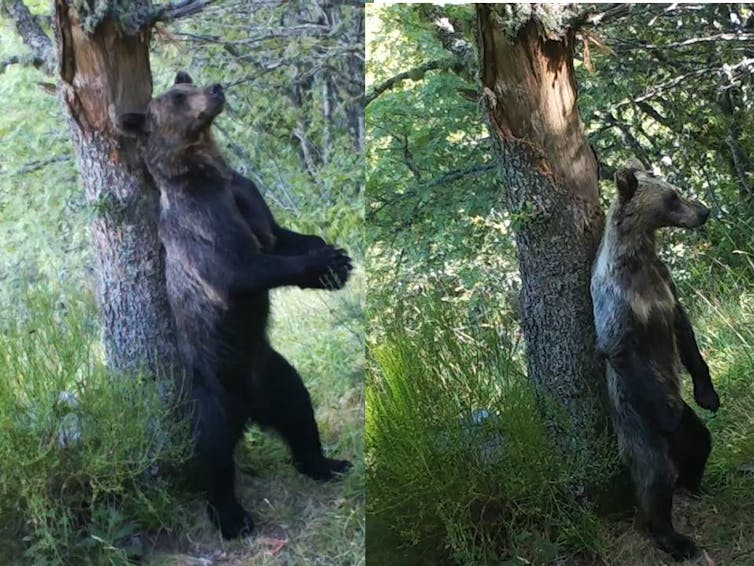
<point x="223" y="253"/>
<point x="645" y="335"/>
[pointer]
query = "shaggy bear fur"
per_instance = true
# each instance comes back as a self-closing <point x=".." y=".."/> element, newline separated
<point x="223" y="253"/>
<point x="645" y="335"/>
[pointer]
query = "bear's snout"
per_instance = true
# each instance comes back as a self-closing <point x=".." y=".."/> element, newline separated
<point x="704" y="214"/>
<point x="217" y="90"/>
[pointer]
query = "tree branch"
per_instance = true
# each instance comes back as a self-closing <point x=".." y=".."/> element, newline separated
<point x="182" y="9"/>
<point x="649" y="110"/>
<point x="668" y="85"/>
<point x="592" y="18"/>
<point x="38" y="164"/>
<point x="9" y="61"/>
<point x="628" y="137"/>
<point x="32" y="34"/>
<point x="449" y="177"/>
<point x="746" y="37"/>
<point x="413" y="75"/>
<point x="452" y="39"/>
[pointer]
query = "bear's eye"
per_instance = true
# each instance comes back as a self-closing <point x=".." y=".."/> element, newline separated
<point x="672" y="199"/>
<point x="178" y="97"/>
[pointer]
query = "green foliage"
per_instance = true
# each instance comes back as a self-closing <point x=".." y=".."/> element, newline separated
<point x="443" y="285"/>
<point x="37" y="181"/>
<point x="80" y="449"/>
<point x="445" y="479"/>
<point x="433" y="208"/>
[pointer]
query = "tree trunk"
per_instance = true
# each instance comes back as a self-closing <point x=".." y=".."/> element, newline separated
<point x="550" y="178"/>
<point x="104" y="73"/>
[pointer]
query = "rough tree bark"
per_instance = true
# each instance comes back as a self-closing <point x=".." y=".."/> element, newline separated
<point x="103" y="73"/>
<point x="550" y="178"/>
<point x="103" y="67"/>
<point x="102" y="61"/>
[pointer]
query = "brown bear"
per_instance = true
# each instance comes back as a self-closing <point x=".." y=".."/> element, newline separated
<point x="224" y="251"/>
<point x="645" y="335"/>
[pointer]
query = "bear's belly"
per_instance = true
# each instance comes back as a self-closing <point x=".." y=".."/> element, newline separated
<point x="218" y="335"/>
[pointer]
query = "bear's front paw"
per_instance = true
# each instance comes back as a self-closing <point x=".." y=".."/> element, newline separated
<point x="328" y="268"/>
<point x="232" y="520"/>
<point x="324" y="469"/>
<point x="706" y="397"/>
<point x="337" y="272"/>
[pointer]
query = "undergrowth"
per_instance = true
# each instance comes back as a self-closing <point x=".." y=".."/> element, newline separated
<point x="80" y="450"/>
<point x="460" y="469"/>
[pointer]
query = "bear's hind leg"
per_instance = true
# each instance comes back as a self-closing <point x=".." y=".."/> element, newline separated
<point x="657" y="504"/>
<point x="215" y="444"/>
<point x="649" y="461"/>
<point x="690" y="447"/>
<point x="283" y="403"/>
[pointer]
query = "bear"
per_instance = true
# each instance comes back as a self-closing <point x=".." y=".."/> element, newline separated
<point x="644" y="334"/>
<point x="224" y="252"/>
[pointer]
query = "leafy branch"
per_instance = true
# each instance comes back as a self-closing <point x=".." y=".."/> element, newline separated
<point x="414" y="74"/>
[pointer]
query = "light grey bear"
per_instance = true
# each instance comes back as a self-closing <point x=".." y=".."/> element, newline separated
<point x="645" y="335"/>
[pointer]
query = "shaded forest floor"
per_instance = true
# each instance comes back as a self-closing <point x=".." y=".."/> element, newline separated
<point x="721" y="522"/>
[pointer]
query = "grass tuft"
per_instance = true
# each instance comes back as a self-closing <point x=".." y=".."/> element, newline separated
<point x="79" y="449"/>
<point x="460" y="467"/>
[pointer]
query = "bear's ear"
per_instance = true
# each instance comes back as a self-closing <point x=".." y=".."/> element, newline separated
<point x="634" y="163"/>
<point x="183" y="78"/>
<point x="133" y="123"/>
<point x="625" y="180"/>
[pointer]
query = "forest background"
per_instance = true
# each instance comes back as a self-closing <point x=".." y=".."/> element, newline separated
<point x="79" y="446"/>
<point x="463" y="466"/>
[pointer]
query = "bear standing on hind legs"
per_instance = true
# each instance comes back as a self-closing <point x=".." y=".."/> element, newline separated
<point x="645" y="335"/>
<point x="223" y="253"/>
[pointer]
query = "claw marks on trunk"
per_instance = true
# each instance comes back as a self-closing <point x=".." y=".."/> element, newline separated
<point x="103" y="73"/>
<point x="531" y="96"/>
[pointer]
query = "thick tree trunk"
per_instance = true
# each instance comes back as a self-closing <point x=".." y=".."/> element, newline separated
<point x="550" y="178"/>
<point x="104" y="73"/>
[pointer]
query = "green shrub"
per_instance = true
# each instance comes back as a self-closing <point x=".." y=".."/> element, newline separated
<point x="459" y="463"/>
<point x="79" y="448"/>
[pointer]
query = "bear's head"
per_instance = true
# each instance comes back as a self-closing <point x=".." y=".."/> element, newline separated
<point x="178" y="117"/>
<point x="647" y="202"/>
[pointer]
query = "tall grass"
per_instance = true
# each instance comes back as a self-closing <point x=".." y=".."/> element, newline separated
<point x="460" y="466"/>
<point x="78" y="448"/>
<point x="448" y="487"/>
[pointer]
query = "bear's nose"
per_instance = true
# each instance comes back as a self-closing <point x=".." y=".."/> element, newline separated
<point x="704" y="213"/>
<point x="216" y="89"/>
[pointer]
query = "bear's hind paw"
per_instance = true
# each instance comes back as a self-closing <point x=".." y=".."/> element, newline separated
<point x="232" y="520"/>
<point x="326" y="469"/>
